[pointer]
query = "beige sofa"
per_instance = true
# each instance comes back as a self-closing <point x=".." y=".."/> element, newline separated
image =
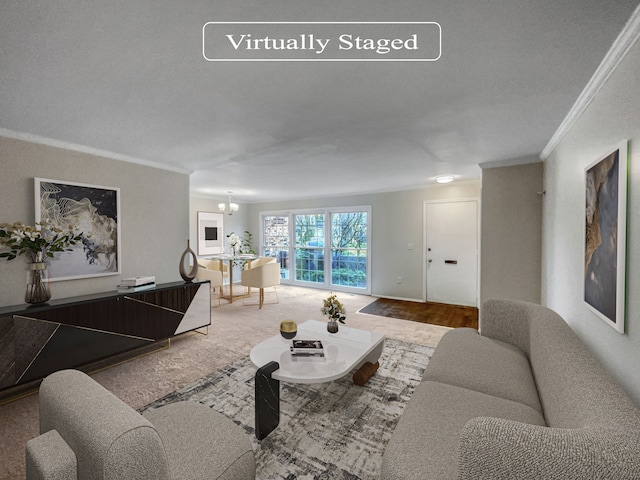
<point x="88" y="433"/>
<point x="524" y="399"/>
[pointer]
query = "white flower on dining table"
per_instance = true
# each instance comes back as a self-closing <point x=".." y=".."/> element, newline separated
<point x="234" y="242"/>
<point x="241" y="244"/>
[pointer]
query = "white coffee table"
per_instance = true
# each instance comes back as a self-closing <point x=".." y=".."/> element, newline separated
<point x="344" y="351"/>
<point x="347" y="350"/>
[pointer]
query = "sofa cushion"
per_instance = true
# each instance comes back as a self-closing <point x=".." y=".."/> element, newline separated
<point x="466" y="359"/>
<point x="200" y="441"/>
<point x="425" y="441"/>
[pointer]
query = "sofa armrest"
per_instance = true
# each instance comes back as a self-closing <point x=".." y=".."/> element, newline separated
<point x="109" y="438"/>
<point x="50" y="458"/>
<point x="498" y="448"/>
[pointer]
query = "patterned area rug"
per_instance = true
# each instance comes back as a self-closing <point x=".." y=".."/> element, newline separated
<point x="333" y="430"/>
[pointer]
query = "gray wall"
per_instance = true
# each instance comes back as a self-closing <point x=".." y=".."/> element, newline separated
<point x="397" y="220"/>
<point x="154" y="206"/>
<point x="612" y="116"/>
<point x="236" y="223"/>
<point x="511" y="232"/>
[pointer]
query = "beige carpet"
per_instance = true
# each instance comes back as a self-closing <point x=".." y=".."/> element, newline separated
<point x="235" y="329"/>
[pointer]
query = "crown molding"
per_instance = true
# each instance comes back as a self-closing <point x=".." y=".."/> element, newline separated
<point x="30" y="137"/>
<point x="626" y="39"/>
<point x="511" y="162"/>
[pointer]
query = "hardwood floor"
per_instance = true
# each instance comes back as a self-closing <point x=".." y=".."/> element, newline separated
<point x="445" y="315"/>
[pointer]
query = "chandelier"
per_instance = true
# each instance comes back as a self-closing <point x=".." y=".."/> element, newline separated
<point x="229" y="206"/>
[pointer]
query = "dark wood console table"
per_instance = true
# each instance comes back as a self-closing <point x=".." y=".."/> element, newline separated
<point x="78" y="331"/>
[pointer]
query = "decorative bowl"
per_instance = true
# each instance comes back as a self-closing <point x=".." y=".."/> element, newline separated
<point x="288" y="329"/>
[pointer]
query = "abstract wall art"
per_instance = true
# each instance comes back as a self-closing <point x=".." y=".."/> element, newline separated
<point x="93" y="211"/>
<point x="210" y="233"/>
<point x="605" y="222"/>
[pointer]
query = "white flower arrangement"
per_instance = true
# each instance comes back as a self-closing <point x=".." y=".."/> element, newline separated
<point x="35" y="242"/>
<point x="239" y="244"/>
<point x="334" y="309"/>
<point x="234" y="242"/>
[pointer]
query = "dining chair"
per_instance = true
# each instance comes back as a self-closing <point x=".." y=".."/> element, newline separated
<point x="258" y="262"/>
<point x="261" y="277"/>
<point x="213" y="275"/>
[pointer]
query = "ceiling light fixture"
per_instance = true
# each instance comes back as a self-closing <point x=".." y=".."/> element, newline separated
<point x="444" y="179"/>
<point x="228" y="207"/>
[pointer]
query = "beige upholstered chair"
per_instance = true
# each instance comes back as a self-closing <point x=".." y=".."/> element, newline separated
<point x="258" y="262"/>
<point x="216" y="265"/>
<point x="87" y="432"/>
<point x="213" y="275"/>
<point x="261" y="277"/>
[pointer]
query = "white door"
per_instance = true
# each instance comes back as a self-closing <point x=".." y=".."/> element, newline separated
<point x="451" y="233"/>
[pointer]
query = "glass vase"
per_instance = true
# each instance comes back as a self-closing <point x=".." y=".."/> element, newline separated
<point x="37" y="287"/>
<point x="332" y="326"/>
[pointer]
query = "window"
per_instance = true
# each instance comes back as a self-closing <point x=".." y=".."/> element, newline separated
<point x="328" y="248"/>
<point x="349" y="249"/>
<point x="275" y="241"/>
<point x="309" y="251"/>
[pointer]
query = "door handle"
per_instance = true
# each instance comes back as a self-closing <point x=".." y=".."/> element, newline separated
<point x="451" y="262"/>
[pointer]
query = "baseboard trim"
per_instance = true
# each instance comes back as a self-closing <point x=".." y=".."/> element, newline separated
<point x="406" y="299"/>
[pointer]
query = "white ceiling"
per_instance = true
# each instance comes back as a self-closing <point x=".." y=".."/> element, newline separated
<point x="128" y="77"/>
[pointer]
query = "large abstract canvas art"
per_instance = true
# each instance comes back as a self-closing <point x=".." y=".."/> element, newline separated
<point x="605" y="236"/>
<point x="210" y="233"/>
<point x="91" y="210"/>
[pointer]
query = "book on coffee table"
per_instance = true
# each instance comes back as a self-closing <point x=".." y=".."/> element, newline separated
<point x="307" y="347"/>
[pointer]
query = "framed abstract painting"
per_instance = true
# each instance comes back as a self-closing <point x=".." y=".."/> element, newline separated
<point x="210" y="233"/>
<point x="91" y="210"/>
<point x="605" y="235"/>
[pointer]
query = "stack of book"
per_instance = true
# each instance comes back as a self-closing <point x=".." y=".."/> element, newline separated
<point x="307" y="347"/>
<point x="136" y="284"/>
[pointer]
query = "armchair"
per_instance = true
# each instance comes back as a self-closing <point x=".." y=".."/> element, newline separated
<point x="215" y="265"/>
<point x="259" y="262"/>
<point x="213" y="275"/>
<point x="262" y="276"/>
<point x="87" y="432"/>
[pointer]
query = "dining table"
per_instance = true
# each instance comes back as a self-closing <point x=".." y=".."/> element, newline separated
<point x="233" y="259"/>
